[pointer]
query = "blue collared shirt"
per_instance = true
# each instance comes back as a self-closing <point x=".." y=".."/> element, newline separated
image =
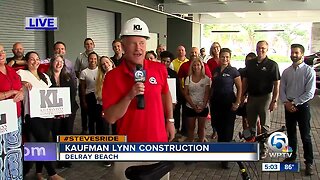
<point x="298" y="84"/>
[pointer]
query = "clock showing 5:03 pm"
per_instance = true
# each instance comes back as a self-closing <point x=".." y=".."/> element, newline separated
<point x="270" y="166"/>
<point x="281" y="167"/>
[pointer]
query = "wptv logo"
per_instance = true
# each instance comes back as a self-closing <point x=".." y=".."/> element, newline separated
<point x="278" y="143"/>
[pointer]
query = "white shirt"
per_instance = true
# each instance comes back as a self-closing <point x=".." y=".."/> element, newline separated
<point x="298" y="84"/>
<point x="89" y="76"/>
<point x="27" y="76"/>
<point x="197" y="90"/>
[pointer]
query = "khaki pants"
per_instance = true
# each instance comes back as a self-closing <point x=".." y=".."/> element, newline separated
<point x="258" y="107"/>
<point x="120" y="168"/>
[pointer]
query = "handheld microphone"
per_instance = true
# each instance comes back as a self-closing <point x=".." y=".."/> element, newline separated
<point x="140" y="76"/>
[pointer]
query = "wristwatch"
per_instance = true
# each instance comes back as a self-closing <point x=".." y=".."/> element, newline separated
<point x="171" y="120"/>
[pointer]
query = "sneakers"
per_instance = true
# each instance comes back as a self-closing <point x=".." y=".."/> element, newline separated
<point x="263" y="155"/>
<point x="214" y="135"/>
<point x="309" y="169"/>
<point x="107" y="164"/>
<point x="56" y="177"/>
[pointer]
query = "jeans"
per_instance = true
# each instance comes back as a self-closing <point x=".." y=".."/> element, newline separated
<point x="84" y="114"/>
<point x="40" y="129"/>
<point x="302" y="116"/>
<point x="176" y="115"/>
<point x="92" y="112"/>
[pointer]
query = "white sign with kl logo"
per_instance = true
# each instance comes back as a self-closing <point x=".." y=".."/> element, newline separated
<point x="173" y="89"/>
<point x="49" y="102"/>
<point x="8" y="116"/>
<point x="278" y="143"/>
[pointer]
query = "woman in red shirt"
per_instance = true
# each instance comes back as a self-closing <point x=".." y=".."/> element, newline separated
<point x="10" y="143"/>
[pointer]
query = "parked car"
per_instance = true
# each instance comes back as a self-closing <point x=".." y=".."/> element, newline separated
<point x="314" y="61"/>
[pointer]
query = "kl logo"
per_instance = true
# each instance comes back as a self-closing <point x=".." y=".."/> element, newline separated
<point x="278" y="143"/>
<point x="137" y="27"/>
<point x="46" y="101"/>
<point x="3" y="119"/>
<point x="41" y="23"/>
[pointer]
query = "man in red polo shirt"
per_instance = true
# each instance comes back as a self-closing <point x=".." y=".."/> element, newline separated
<point x="153" y="123"/>
<point x="184" y="68"/>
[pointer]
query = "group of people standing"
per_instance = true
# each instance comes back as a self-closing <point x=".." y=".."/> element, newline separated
<point x="108" y="94"/>
<point x="16" y="85"/>
<point x="251" y="92"/>
<point x="198" y="86"/>
<point x="22" y="72"/>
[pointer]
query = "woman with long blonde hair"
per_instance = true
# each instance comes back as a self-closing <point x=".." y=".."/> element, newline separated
<point x="213" y="63"/>
<point x="105" y="65"/>
<point x="197" y="90"/>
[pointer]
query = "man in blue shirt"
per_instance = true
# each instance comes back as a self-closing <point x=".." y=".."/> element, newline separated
<point x="297" y="87"/>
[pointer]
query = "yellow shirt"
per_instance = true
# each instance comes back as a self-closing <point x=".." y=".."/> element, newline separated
<point x="176" y="63"/>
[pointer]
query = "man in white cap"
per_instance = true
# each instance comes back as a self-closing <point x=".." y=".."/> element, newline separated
<point x="153" y="123"/>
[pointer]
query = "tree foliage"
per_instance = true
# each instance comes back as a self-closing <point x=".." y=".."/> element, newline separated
<point x="245" y="40"/>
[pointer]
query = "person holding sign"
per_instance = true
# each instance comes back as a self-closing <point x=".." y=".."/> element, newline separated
<point x="10" y="88"/>
<point x="60" y="77"/>
<point x="166" y="59"/>
<point x="39" y="127"/>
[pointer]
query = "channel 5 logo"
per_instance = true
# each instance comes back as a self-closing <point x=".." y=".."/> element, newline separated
<point x="278" y="143"/>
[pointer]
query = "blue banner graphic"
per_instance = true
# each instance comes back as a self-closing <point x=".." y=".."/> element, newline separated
<point x="40" y="151"/>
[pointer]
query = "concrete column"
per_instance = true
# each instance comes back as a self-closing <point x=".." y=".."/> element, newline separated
<point x="196" y="32"/>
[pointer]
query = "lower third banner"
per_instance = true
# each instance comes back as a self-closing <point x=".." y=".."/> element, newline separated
<point x="158" y="151"/>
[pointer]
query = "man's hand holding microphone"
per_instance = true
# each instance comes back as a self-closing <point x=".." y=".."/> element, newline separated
<point x="138" y="88"/>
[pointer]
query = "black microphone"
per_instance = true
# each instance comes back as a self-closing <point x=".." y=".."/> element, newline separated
<point x="140" y="76"/>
